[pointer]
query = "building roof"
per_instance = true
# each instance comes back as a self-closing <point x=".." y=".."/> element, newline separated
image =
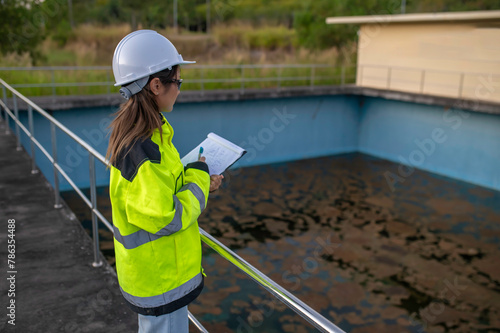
<point x="476" y="16"/>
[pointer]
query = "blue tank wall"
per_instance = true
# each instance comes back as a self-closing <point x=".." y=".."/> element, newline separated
<point x="456" y="143"/>
<point x="272" y="130"/>
<point x="460" y="144"/>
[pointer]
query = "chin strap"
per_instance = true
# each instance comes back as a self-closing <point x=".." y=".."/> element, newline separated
<point x="133" y="88"/>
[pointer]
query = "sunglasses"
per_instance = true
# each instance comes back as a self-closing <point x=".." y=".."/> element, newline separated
<point x="179" y="82"/>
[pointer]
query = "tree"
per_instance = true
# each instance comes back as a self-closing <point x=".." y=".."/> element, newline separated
<point x="311" y="27"/>
<point x="21" y="26"/>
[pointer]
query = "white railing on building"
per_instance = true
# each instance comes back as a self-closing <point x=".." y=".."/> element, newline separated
<point x="454" y="84"/>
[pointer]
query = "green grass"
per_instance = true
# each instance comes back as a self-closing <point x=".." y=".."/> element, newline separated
<point x="60" y="76"/>
<point x="61" y="57"/>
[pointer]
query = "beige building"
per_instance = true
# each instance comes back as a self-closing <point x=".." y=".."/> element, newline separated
<point x="447" y="54"/>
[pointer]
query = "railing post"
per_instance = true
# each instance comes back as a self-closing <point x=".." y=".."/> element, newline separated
<point x="107" y="80"/>
<point x="422" y="79"/>
<point x="280" y="69"/>
<point x="53" y="82"/>
<point x="461" y="87"/>
<point x="7" y="131"/>
<point x="16" y="113"/>
<point x="57" y="203"/>
<point x="342" y="75"/>
<point x="202" y="83"/>
<point x="312" y="78"/>
<point x="34" y="170"/>
<point x="242" y="88"/>
<point x="95" y="231"/>
<point x="389" y="71"/>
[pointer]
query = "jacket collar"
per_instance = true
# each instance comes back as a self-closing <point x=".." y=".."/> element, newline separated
<point x="168" y="131"/>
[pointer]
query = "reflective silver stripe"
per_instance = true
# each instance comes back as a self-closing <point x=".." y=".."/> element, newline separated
<point x="165" y="298"/>
<point x="141" y="237"/>
<point x="197" y="192"/>
<point x="176" y="223"/>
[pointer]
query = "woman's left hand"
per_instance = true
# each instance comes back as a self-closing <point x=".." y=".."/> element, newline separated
<point x="215" y="182"/>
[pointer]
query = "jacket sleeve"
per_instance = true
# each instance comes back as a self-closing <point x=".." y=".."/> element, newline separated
<point x="153" y="205"/>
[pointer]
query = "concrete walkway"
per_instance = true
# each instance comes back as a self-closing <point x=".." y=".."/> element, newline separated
<point x="56" y="288"/>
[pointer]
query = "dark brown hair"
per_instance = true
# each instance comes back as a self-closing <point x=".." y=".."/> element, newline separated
<point x="137" y="118"/>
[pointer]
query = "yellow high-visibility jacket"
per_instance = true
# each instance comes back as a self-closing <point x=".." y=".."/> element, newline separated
<point x="155" y="205"/>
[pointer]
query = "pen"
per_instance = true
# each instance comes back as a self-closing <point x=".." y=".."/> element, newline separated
<point x="199" y="154"/>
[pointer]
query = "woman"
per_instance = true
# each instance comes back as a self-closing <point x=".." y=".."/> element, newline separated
<point x="155" y="199"/>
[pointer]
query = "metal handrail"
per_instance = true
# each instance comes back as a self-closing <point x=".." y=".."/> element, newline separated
<point x="422" y="69"/>
<point x="292" y="302"/>
<point x="49" y="68"/>
<point x="110" y="83"/>
<point x="305" y="311"/>
<point x="201" y="81"/>
<point x="387" y="81"/>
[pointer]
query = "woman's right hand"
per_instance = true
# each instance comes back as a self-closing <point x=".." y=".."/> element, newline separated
<point x="215" y="182"/>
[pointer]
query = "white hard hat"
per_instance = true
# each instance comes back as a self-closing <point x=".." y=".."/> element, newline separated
<point x="140" y="54"/>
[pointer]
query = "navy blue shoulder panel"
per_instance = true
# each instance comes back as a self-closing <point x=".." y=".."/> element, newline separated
<point x="141" y="152"/>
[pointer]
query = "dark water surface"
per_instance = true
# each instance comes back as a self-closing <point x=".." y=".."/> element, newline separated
<point x="423" y="257"/>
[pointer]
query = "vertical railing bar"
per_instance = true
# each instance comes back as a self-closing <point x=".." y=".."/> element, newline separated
<point x="342" y="75"/>
<point x="280" y="69"/>
<point x="202" y="83"/>
<point x="461" y="87"/>
<point x="32" y="143"/>
<point x="57" y="203"/>
<point x="16" y="113"/>
<point x="95" y="231"/>
<point x="7" y="131"/>
<point x="422" y="80"/>
<point x="53" y="82"/>
<point x="389" y="71"/>
<point x="107" y="80"/>
<point x="312" y="78"/>
<point x="242" y="88"/>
